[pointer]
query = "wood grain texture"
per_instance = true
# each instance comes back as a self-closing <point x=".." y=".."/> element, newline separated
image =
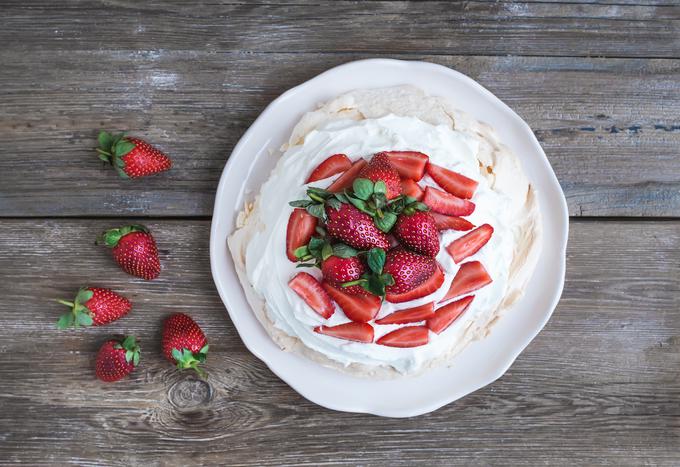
<point x="599" y="386"/>
<point x="610" y="127"/>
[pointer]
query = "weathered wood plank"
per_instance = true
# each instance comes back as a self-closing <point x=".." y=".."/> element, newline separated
<point x="609" y="126"/>
<point x="599" y="386"/>
<point x="468" y="28"/>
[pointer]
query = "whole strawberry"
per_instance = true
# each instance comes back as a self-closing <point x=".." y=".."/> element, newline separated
<point x="354" y="228"/>
<point x="116" y="359"/>
<point x="418" y="232"/>
<point x="94" y="306"/>
<point x="131" y="157"/>
<point x="337" y="271"/>
<point x="184" y="342"/>
<point x="408" y="269"/>
<point x="380" y="168"/>
<point x="134" y="249"/>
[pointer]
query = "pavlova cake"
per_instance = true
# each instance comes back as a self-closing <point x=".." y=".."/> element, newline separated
<point x="393" y="231"/>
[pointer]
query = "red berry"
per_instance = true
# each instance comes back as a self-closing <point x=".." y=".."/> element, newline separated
<point x="346" y="179"/>
<point x="183" y="342"/>
<point x="408" y="269"/>
<point x="312" y="293"/>
<point x="131" y="157"/>
<point x="444" y="222"/>
<point x="445" y="203"/>
<point x="380" y="168"/>
<point x="410" y="336"/>
<point x="334" y="165"/>
<point x="354" y="228"/>
<point x="93" y="307"/>
<point x="470" y="277"/>
<point x="409" y="164"/>
<point x="410" y="315"/>
<point x="453" y="182"/>
<point x="470" y="243"/>
<point x="359" y="332"/>
<point x="418" y="232"/>
<point x="412" y="189"/>
<point x="359" y="308"/>
<point x="301" y="227"/>
<point x="134" y="249"/>
<point x="336" y="271"/>
<point x="116" y="359"/>
<point x="426" y="288"/>
<point x="446" y="315"/>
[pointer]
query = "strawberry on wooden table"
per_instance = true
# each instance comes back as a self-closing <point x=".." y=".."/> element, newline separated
<point x="409" y="315"/>
<point x="301" y="227"/>
<point x="444" y="222"/>
<point x="409" y="164"/>
<point x="184" y="342"/>
<point x="410" y="336"/>
<point x="311" y="291"/>
<point x="359" y="308"/>
<point x="94" y="306"/>
<point x="131" y="157"/>
<point x="446" y="315"/>
<point x="470" y="277"/>
<point x="452" y="182"/>
<point x="134" y="249"/>
<point x="335" y="164"/>
<point x="116" y="359"/>
<point x="359" y="332"/>
<point x="446" y="203"/>
<point x="470" y="243"/>
<point x="379" y="168"/>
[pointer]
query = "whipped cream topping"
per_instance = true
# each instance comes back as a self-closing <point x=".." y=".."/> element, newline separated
<point x="269" y="270"/>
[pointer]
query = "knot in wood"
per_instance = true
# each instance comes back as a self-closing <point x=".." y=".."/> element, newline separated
<point x="190" y="393"/>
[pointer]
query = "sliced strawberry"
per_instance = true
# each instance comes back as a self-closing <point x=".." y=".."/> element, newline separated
<point x="359" y="332"/>
<point x="345" y="180"/>
<point x="335" y="164"/>
<point x="444" y="222"/>
<point x="470" y="277"/>
<point x="446" y="315"/>
<point x="409" y="164"/>
<point x="453" y="182"/>
<point x="300" y="229"/>
<point x="411" y="336"/>
<point x="312" y="293"/>
<point x="359" y="308"/>
<point x="426" y="288"/>
<point x="411" y="188"/>
<point x="445" y="203"/>
<point x="410" y="315"/>
<point x="470" y="243"/>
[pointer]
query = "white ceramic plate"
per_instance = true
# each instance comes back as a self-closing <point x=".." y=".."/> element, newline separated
<point x="480" y="363"/>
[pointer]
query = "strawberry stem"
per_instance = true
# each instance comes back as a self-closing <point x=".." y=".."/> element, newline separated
<point x="64" y="302"/>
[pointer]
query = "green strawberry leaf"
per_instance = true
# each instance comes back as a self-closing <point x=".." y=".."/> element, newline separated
<point x="135" y="359"/>
<point x="105" y="140"/>
<point x="380" y="188"/>
<point x="301" y="252"/>
<point x="301" y="203"/>
<point x="129" y="354"/>
<point x="306" y="265"/>
<point x="375" y="285"/>
<point x="317" y="210"/>
<point x="123" y="147"/>
<point x="121" y="172"/>
<point x="65" y="321"/>
<point x="84" y="295"/>
<point x="103" y="157"/>
<point x="376" y="259"/>
<point x="344" y="251"/>
<point x="176" y="354"/>
<point x="326" y="251"/>
<point x="361" y="205"/>
<point x="363" y="188"/>
<point x="83" y="319"/>
<point x="342" y="198"/>
<point x="204" y="349"/>
<point x="334" y="203"/>
<point x="386" y="222"/>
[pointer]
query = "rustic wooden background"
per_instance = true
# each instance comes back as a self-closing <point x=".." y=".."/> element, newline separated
<point x="598" y="81"/>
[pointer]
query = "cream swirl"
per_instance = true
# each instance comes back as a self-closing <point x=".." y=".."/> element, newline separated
<point x="269" y="270"/>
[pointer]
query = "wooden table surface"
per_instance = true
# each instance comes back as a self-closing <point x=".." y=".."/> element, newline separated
<point x="599" y="83"/>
